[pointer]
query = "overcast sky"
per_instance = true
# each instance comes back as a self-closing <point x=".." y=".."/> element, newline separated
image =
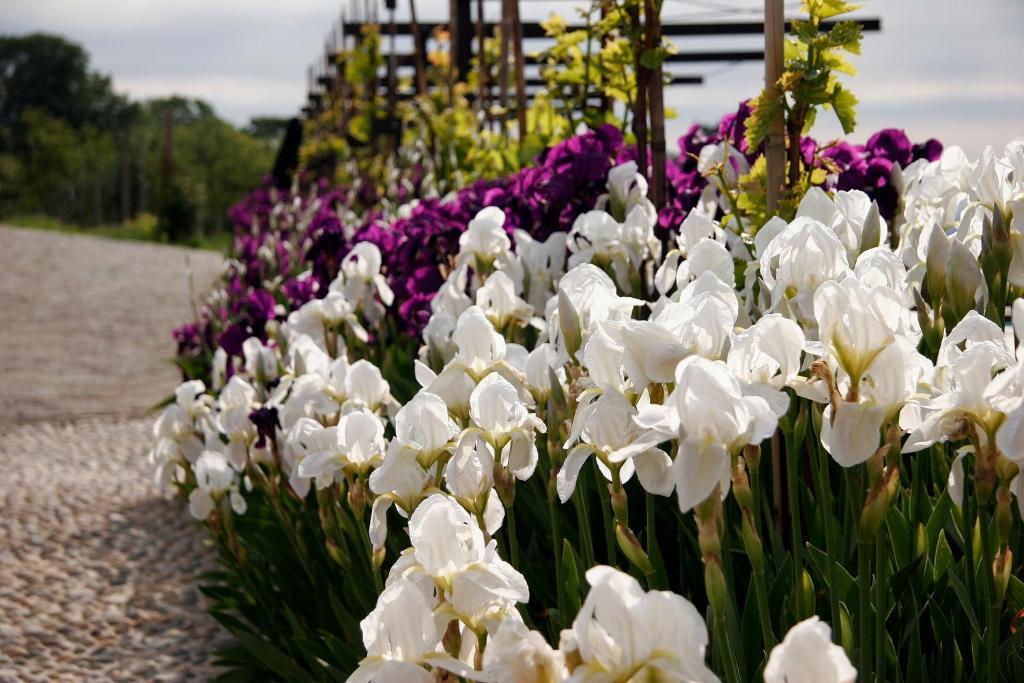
<point x="939" y="68"/>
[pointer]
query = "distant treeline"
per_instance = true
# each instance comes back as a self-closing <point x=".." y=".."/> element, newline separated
<point x="74" y="150"/>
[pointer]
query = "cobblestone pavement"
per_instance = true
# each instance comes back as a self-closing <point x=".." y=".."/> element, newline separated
<point x="97" y="568"/>
<point x="96" y="571"/>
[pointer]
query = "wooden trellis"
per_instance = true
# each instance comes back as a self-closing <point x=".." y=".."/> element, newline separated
<point x="326" y="78"/>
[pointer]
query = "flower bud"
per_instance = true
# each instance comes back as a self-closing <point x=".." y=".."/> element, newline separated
<point x="1004" y="515"/>
<point x="714" y="583"/>
<point x="557" y="395"/>
<point x="752" y="543"/>
<point x="620" y="504"/>
<point x="377" y="557"/>
<point x="846" y="628"/>
<point x="707" y="529"/>
<point x="964" y="281"/>
<point x="1001" y="568"/>
<point x="872" y="516"/>
<point x="920" y="541"/>
<point x="569" y="320"/>
<point x="996" y="248"/>
<point x="935" y="266"/>
<point x="504" y="484"/>
<point x="871" y="233"/>
<point x="357" y="498"/>
<point x="805" y="601"/>
<point x="932" y="326"/>
<point x="336" y="554"/>
<point x="452" y="639"/>
<point x="752" y="456"/>
<point x="984" y="479"/>
<point x="632" y="549"/>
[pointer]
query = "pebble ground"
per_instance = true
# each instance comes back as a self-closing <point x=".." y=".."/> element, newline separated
<point x="97" y="568"/>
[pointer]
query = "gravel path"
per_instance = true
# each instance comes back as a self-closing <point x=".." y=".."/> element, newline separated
<point x="87" y="322"/>
<point x="97" y="568"/>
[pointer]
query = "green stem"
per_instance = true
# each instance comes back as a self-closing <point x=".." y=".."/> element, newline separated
<point x="378" y="584"/>
<point x="793" y="484"/>
<point x="653" y="551"/>
<point x="556" y="542"/>
<point x="881" y="565"/>
<point x="825" y="490"/>
<point x="722" y="637"/>
<point x="864" y="552"/>
<point x="606" y="517"/>
<point x="755" y="552"/>
<point x="513" y="541"/>
<point x="579" y="500"/>
<point x="969" y="512"/>
<point x="992" y="611"/>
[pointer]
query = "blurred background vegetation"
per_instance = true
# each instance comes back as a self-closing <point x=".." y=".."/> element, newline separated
<point x="76" y="155"/>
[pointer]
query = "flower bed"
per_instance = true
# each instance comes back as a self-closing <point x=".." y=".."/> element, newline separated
<point x="619" y="434"/>
<point x="289" y="243"/>
<point x="544" y="429"/>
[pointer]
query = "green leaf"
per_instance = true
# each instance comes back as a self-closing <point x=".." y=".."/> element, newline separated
<point x="273" y="658"/>
<point x="571" y="576"/>
<point x="845" y="582"/>
<point x="826" y="9"/>
<point x="937" y="520"/>
<point x="766" y="111"/>
<point x="238" y="675"/>
<point x="965" y="601"/>
<point x="230" y="622"/>
<point x="943" y="558"/>
<point x="345" y="655"/>
<point x="844" y="103"/>
<point x="846" y="35"/>
<point x="902" y="537"/>
<point x="1015" y="590"/>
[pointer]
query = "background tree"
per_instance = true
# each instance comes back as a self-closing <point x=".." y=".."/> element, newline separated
<point x="74" y="150"/>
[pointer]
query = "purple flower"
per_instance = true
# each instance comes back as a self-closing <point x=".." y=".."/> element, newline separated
<point x="232" y="338"/>
<point x="299" y="291"/>
<point x="851" y="163"/>
<point x="891" y="144"/>
<point x="929" y="149"/>
<point x="266" y="423"/>
<point x="733" y="127"/>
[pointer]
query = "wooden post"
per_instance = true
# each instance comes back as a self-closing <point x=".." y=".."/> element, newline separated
<point x="392" y="62"/>
<point x="452" y="37"/>
<point x="462" y="42"/>
<point x="640" y="102"/>
<point x="483" y="85"/>
<point x="775" y="142"/>
<point x="506" y="26"/>
<point x="656" y="90"/>
<point x="517" y="56"/>
<point x="419" y="50"/>
<point x="343" y="94"/>
<point x="606" y="101"/>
